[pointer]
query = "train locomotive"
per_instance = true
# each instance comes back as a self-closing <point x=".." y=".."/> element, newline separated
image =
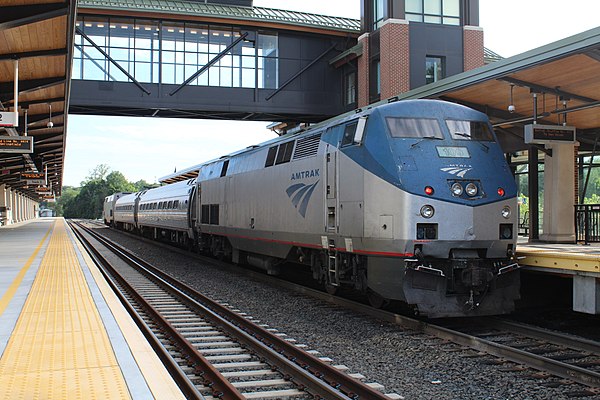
<point x="410" y="201"/>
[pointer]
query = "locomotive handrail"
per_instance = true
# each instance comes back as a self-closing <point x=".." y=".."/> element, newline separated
<point x="587" y="223"/>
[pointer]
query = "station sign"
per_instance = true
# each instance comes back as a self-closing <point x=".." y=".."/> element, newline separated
<point x="16" y="144"/>
<point x="9" y="119"/>
<point x="48" y="197"/>
<point x="541" y="134"/>
<point x="34" y="178"/>
<point x="43" y="189"/>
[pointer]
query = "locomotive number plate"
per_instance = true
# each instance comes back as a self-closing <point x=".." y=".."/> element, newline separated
<point x="453" y="152"/>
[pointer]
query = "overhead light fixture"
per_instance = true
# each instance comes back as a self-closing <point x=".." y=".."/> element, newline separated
<point x="50" y="124"/>
<point x="511" y="106"/>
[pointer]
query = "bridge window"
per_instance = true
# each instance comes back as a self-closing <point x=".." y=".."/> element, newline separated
<point x="267" y="61"/>
<point x="445" y="12"/>
<point x="170" y="52"/>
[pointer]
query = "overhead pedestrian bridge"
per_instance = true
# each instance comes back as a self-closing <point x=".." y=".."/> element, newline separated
<point x="203" y="60"/>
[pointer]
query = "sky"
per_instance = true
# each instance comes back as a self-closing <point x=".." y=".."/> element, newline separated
<point x="143" y="148"/>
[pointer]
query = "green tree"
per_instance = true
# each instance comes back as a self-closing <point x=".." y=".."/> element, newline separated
<point x="143" y="185"/>
<point x="87" y="201"/>
<point x="68" y="194"/>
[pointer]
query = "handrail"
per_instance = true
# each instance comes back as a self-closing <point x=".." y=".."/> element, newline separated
<point x="587" y="223"/>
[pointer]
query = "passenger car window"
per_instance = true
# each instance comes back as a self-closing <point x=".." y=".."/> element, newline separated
<point x="469" y="130"/>
<point x="414" y="128"/>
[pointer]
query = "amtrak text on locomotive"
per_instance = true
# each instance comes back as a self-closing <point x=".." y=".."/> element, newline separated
<point x="305" y="174"/>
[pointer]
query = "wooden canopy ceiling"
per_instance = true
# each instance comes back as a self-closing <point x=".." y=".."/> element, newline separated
<point x="37" y="33"/>
<point x="572" y="83"/>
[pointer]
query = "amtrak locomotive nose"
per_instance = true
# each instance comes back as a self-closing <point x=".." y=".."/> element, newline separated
<point x="458" y="198"/>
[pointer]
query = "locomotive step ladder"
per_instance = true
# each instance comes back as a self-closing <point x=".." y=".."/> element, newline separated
<point x="333" y="266"/>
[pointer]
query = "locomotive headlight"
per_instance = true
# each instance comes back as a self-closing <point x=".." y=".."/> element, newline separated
<point x="506" y="212"/>
<point x="427" y="211"/>
<point x="457" y="189"/>
<point x="471" y="189"/>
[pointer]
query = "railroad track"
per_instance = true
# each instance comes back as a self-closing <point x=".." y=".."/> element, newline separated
<point x="570" y="358"/>
<point x="212" y="351"/>
<point x="566" y="356"/>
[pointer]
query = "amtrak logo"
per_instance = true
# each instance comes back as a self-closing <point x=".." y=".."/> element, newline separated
<point x="458" y="170"/>
<point x="300" y="195"/>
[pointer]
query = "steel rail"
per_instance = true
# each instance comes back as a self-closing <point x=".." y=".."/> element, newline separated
<point x="558" y="338"/>
<point x="219" y="385"/>
<point x="304" y="369"/>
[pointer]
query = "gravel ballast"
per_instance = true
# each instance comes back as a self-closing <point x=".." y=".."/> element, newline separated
<point x="413" y="365"/>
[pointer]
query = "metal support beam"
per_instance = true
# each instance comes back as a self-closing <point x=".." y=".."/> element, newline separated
<point x="519" y="120"/>
<point x="15" y="16"/>
<point x="25" y="104"/>
<point x="297" y="74"/>
<point x="33" y="54"/>
<point x="210" y="63"/>
<point x="35" y="129"/>
<point x="545" y="89"/>
<point x="27" y="86"/>
<point x="115" y="63"/>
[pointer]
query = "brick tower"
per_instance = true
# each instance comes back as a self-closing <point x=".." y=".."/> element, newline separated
<point x="410" y="43"/>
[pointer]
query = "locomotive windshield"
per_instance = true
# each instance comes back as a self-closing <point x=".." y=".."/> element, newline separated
<point x="417" y="128"/>
<point x="470" y="130"/>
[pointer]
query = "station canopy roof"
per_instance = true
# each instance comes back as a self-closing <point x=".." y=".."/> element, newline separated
<point x="564" y="74"/>
<point x="37" y="33"/>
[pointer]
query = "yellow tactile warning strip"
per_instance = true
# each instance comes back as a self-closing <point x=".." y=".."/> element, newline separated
<point x="59" y="348"/>
<point x="157" y="377"/>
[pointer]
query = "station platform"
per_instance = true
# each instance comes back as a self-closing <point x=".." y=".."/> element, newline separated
<point x="63" y="333"/>
<point x="579" y="262"/>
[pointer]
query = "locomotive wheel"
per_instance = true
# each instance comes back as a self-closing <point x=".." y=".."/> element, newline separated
<point x="376" y="300"/>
